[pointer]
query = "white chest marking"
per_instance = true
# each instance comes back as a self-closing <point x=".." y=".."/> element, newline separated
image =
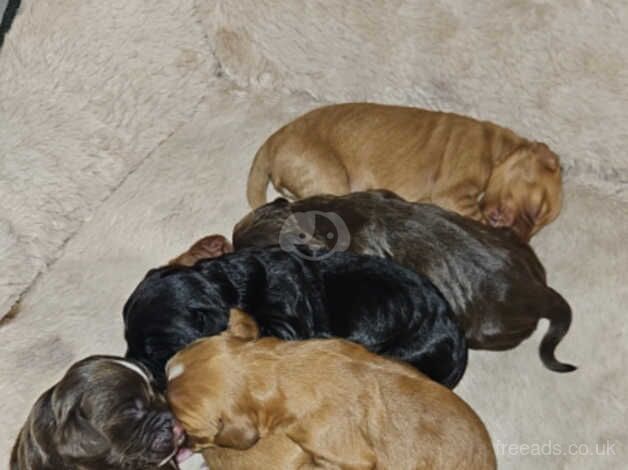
<point x="175" y="371"/>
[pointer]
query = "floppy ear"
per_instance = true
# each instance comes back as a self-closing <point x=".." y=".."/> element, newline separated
<point x="242" y="325"/>
<point x="546" y="157"/>
<point x="78" y="439"/>
<point x="237" y="432"/>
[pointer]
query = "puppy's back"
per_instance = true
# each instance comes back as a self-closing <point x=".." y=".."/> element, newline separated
<point x="410" y="418"/>
<point x="407" y="316"/>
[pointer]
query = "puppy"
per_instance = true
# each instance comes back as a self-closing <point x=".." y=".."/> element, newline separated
<point x="372" y="301"/>
<point x="475" y="168"/>
<point x="104" y="414"/>
<point x="340" y="405"/>
<point x="494" y="282"/>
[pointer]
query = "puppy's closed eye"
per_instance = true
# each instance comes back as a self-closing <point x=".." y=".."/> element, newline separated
<point x="135" y="409"/>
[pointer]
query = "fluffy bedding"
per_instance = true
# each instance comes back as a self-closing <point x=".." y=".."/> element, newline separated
<point x="127" y="129"/>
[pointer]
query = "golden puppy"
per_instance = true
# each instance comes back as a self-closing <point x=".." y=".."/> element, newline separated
<point x="475" y="168"/>
<point x="317" y="404"/>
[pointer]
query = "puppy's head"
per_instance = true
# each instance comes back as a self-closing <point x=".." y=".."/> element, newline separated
<point x="524" y="191"/>
<point x="208" y="399"/>
<point x="105" y="411"/>
<point x="169" y="309"/>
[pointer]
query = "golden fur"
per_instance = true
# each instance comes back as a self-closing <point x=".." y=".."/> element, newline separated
<point x="273" y="452"/>
<point x="475" y="168"/>
<point x="317" y="404"/>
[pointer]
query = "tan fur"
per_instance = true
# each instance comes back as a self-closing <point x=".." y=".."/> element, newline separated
<point x="274" y="452"/>
<point x="318" y="404"/>
<point x="207" y="247"/>
<point x="475" y="168"/>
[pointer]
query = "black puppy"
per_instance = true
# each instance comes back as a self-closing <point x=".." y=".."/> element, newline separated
<point x="372" y="301"/>
<point x="493" y="281"/>
<point x="104" y="414"/>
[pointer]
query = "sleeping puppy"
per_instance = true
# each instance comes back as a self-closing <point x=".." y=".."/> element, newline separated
<point x="494" y="283"/>
<point x="372" y="301"/>
<point x="326" y="403"/>
<point x="104" y="414"/>
<point x="475" y="168"/>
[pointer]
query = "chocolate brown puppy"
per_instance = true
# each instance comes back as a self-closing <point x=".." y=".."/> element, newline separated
<point x="493" y="281"/>
<point x="104" y="414"/>
<point x="475" y="168"/>
<point x="341" y="406"/>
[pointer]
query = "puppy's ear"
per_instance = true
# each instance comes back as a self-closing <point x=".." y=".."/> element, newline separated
<point x="242" y="325"/>
<point x="237" y="432"/>
<point x="546" y="157"/>
<point x="78" y="439"/>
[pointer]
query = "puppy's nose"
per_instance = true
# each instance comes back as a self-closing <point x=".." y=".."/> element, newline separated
<point x="494" y="216"/>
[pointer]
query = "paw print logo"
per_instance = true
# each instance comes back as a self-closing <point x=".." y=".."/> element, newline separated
<point x="314" y="235"/>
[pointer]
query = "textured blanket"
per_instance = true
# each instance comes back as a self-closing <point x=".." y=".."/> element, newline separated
<point x="127" y="128"/>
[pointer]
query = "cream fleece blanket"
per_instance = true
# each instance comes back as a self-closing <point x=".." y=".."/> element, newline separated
<point x="127" y="129"/>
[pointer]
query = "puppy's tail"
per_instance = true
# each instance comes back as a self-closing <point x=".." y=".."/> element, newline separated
<point x="559" y="315"/>
<point x="259" y="178"/>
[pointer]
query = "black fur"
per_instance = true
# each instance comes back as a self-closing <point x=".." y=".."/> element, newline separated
<point x="494" y="282"/>
<point x="372" y="301"/>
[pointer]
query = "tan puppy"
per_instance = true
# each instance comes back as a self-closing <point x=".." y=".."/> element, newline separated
<point x="475" y="168"/>
<point x="343" y="407"/>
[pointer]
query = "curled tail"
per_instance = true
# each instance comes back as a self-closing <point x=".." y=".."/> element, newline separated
<point x="259" y="178"/>
<point x="559" y="315"/>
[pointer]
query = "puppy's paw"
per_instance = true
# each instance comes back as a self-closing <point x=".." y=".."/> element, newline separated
<point x="211" y="246"/>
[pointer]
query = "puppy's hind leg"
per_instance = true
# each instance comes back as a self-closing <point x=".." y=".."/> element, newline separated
<point x="333" y="442"/>
<point x="301" y="171"/>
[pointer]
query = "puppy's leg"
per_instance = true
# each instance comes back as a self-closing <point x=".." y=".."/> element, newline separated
<point x="301" y="170"/>
<point x="333" y="442"/>
<point x="208" y="247"/>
